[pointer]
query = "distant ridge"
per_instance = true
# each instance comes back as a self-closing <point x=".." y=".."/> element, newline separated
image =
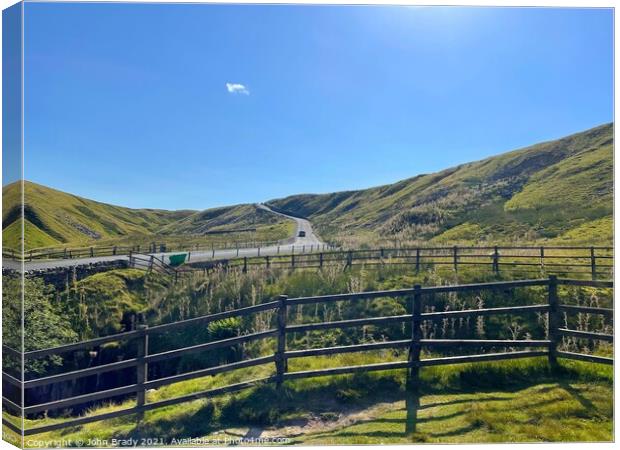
<point x="561" y="189"/>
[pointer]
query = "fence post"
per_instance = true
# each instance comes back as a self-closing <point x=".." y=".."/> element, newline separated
<point x="65" y="255"/>
<point x="416" y="335"/>
<point x="245" y="264"/>
<point x="293" y="260"/>
<point x="455" y="258"/>
<point x="542" y="257"/>
<point x="130" y="258"/>
<point x="142" y="369"/>
<point x="350" y="259"/>
<point x="417" y="260"/>
<point x="278" y="249"/>
<point x="114" y="251"/>
<point x="593" y="263"/>
<point x="281" y="364"/>
<point x="151" y="262"/>
<point x="258" y="251"/>
<point x="496" y="260"/>
<point x="267" y="261"/>
<point x="553" y="319"/>
<point x="321" y="260"/>
<point x="92" y="252"/>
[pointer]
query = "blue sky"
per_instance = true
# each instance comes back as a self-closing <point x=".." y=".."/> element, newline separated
<point x="195" y="106"/>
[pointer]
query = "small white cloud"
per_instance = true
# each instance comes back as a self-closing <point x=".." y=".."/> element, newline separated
<point x="236" y="88"/>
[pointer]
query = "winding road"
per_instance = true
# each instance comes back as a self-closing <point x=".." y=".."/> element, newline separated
<point x="310" y="243"/>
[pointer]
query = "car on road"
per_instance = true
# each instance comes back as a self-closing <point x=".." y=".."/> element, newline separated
<point x="302" y="233"/>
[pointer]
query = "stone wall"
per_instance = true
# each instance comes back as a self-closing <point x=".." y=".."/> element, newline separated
<point x="59" y="277"/>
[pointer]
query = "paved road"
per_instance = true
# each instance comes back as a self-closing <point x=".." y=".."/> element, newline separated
<point x="309" y="243"/>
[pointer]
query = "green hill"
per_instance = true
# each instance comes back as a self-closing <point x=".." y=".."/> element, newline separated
<point x="560" y="190"/>
<point x="52" y="218"/>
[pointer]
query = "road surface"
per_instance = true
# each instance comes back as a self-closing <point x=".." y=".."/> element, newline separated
<point x="308" y="244"/>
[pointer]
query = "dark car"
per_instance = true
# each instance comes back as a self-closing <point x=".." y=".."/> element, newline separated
<point x="302" y="233"/>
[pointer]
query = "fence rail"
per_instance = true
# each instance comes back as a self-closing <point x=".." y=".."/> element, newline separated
<point x="591" y="261"/>
<point x="545" y="347"/>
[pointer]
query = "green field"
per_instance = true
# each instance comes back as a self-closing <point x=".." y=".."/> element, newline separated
<point x="515" y="401"/>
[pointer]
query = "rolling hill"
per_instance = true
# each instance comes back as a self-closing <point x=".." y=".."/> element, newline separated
<point x="560" y="190"/>
<point x="52" y="218"/>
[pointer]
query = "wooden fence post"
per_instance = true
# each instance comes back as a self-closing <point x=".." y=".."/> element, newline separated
<point x="542" y="258"/>
<point x="553" y="319"/>
<point x="114" y="250"/>
<point x="496" y="260"/>
<point x="350" y="259"/>
<point x="416" y="335"/>
<point x="142" y="369"/>
<point x="321" y="260"/>
<point x="281" y="363"/>
<point x="593" y="263"/>
<point x="455" y="258"/>
<point x="417" y="260"/>
<point x="245" y="264"/>
<point x="92" y="252"/>
<point x="267" y="261"/>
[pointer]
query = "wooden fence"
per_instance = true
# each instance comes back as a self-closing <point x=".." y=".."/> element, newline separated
<point x="139" y="386"/>
<point x="152" y="263"/>
<point x="591" y="261"/>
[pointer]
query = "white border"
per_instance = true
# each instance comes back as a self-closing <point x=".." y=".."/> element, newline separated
<point x="545" y="3"/>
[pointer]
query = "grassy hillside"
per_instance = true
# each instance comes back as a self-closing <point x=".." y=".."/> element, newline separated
<point x="554" y="190"/>
<point x="559" y="191"/>
<point x="228" y="218"/>
<point x="53" y="218"/>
